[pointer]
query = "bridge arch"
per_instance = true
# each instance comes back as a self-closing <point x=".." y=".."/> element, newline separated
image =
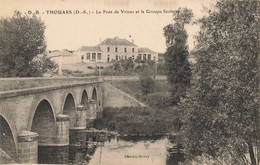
<point x="7" y="138"/>
<point x="44" y="122"/>
<point x="69" y="108"/>
<point x="94" y="94"/>
<point x="84" y="98"/>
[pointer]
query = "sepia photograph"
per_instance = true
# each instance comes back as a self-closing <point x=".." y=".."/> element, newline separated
<point x="130" y="82"/>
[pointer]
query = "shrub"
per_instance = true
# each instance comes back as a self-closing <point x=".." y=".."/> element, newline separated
<point x="158" y="100"/>
<point x="146" y="81"/>
<point x="66" y="72"/>
<point x="138" y="120"/>
<point x="77" y="71"/>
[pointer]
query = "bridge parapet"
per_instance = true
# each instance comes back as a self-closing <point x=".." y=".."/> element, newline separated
<point x="7" y="84"/>
<point x="40" y="112"/>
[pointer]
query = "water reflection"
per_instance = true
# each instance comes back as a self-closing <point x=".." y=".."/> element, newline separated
<point x="135" y="151"/>
<point x="53" y="155"/>
<point x="150" y="152"/>
<point x="113" y="150"/>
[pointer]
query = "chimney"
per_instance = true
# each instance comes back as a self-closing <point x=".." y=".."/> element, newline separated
<point x="116" y="38"/>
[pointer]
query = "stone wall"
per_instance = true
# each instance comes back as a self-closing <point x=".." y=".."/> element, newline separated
<point x="113" y="97"/>
<point x="7" y="140"/>
<point x="24" y="83"/>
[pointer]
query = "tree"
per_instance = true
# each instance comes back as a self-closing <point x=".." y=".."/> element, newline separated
<point x="41" y="64"/>
<point x="146" y="79"/>
<point x="117" y="68"/>
<point x="176" y="57"/>
<point x="221" y="114"/>
<point x="21" y="40"/>
<point x="127" y="64"/>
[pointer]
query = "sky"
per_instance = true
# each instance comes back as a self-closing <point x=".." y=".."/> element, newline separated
<point x="71" y="31"/>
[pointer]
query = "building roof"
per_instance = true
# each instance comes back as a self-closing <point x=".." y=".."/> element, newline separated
<point x="63" y="52"/>
<point x="117" y="41"/>
<point x="145" y="50"/>
<point x="90" y="48"/>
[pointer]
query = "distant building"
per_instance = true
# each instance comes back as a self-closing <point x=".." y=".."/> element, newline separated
<point x="114" y="49"/>
<point x="62" y="57"/>
<point x="111" y="49"/>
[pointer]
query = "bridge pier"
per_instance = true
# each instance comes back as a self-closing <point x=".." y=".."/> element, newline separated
<point x="28" y="147"/>
<point x="56" y="151"/>
<point x="92" y="114"/>
<point x="77" y="134"/>
<point x="81" y="116"/>
<point x="62" y="137"/>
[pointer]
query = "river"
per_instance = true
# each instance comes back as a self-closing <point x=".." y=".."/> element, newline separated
<point x="113" y="151"/>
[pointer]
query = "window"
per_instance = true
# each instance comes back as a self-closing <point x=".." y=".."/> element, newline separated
<point x="99" y="56"/>
<point x="115" y="49"/>
<point x="108" y="49"/>
<point x="94" y="56"/>
<point x="139" y="56"/>
<point x="108" y="58"/>
<point x="144" y="56"/>
<point x="125" y="57"/>
<point x="116" y="57"/>
<point x="82" y="57"/>
<point x="154" y="58"/>
<point x="88" y="56"/>
<point x="133" y="50"/>
<point x="125" y="49"/>
<point x="133" y="57"/>
<point x="149" y="56"/>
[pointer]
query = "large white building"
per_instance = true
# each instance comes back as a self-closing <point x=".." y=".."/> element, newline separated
<point x="111" y="49"/>
<point x="114" y="49"/>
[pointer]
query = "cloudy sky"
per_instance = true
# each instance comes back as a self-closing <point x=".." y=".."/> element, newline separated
<point x="71" y="31"/>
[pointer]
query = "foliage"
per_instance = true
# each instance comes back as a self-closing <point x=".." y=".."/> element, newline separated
<point x="41" y="64"/>
<point x="161" y="69"/>
<point x="117" y="68"/>
<point x="176" y="56"/>
<point x="146" y="80"/>
<point x="140" y="121"/>
<point x="127" y="64"/>
<point x="221" y="114"/>
<point x="138" y="60"/>
<point x="66" y="72"/>
<point x="160" y="100"/>
<point x="21" y="40"/>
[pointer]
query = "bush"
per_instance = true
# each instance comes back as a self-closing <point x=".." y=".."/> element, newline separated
<point x="158" y="100"/>
<point x="147" y="84"/>
<point x="161" y="69"/>
<point x="77" y="71"/>
<point x="146" y="81"/>
<point x="66" y="72"/>
<point x="138" y="121"/>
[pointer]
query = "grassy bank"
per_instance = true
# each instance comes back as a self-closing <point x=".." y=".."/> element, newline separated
<point x="139" y="120"/>
<point x="158" y="99"/>
<point x="134" y="88"/>
<point x="157" y="119"/>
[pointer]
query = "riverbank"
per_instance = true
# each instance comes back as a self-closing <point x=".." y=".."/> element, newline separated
<point x="139" y="121"/>
<point x="159" y="118"/>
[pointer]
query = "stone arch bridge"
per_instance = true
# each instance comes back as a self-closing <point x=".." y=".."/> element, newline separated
<point x="41" y="111"/>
